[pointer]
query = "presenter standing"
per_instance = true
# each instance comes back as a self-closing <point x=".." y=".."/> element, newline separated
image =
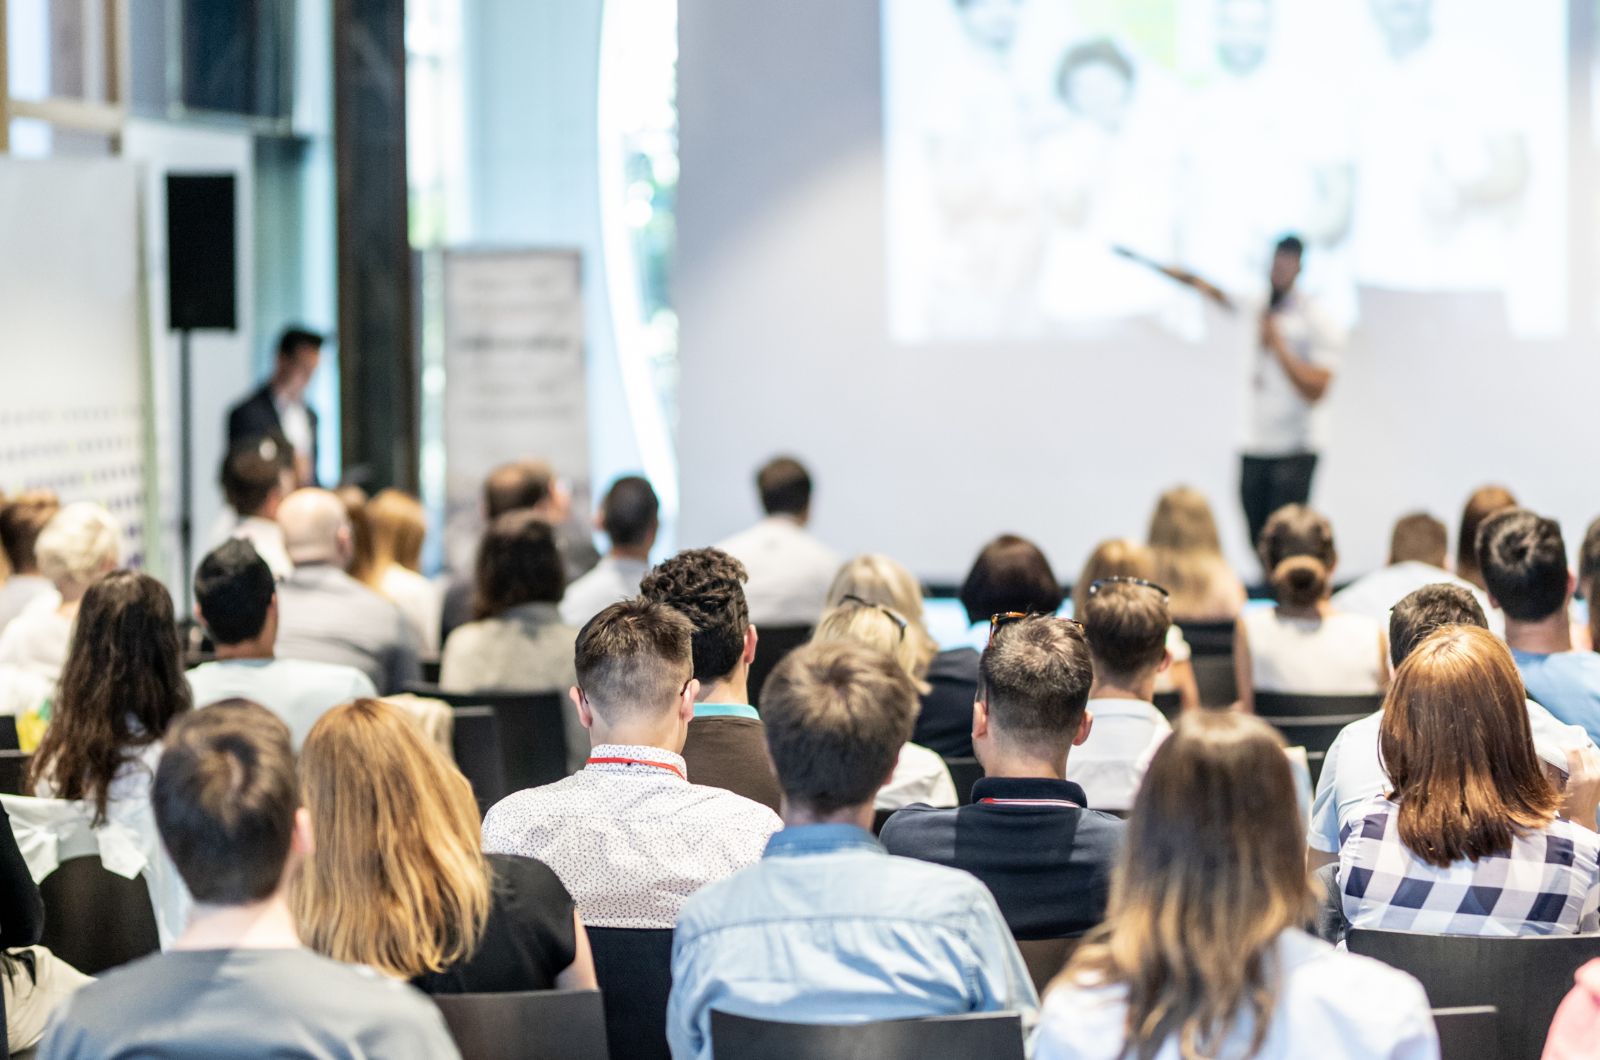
<point x="279" y="410"/>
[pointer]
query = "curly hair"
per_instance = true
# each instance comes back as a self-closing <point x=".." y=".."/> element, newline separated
<point x="707" y="586"/>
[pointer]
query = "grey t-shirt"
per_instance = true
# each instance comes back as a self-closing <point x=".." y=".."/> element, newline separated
<point x="223" y="1004"/>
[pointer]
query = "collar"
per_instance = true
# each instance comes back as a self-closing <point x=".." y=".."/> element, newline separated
<point x="533" y="611"/>
<point x="319" y="572"/>
<point x="1114" y="706"/>
<point x="1045" y="790"/>
<point x="802" y="840"/>
<point x="653" y="762"/>
<point x="725" y="710"/>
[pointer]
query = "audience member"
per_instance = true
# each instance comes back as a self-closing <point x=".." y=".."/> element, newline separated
<point x="236" y="601"/>
<point x="1304" y="645"/>
<point x="517" y="642"/>
<point x="1028" y="835"/>
<point x="920" y="775"/>
<point x="279" y="409"/>
<point x="433" y="909"/>
<point x="324" y="614"/>
<point x="1187" y="556"/>
<point x="1417" y="551"/>
<point x="80" y="544"/>
<point x="398" y="527"/>
<point x="1202" y="952"/>
<point x="630" y="518"/>
<point x="1484" y="502"/>
<point x="256" y="476"/>
<point x="1352" y="773"/>
<point x="857" y="934"/>
<point x="1467" y="840"/>
<point x="1524" y="563"/>
<point x="22" y="519"/>
<point x="630" y="837"/>
<point x="789" y="569"/>
<point x="1584" y="634"/>
<point x="1575" y="1031"/>
<point x="1121" y="558"/>
<point x="877" y="579"/>
<point x="35" y="982"/>
<point x="1125" y="621"/>
<point x="726" y="746"/>
<point x="238" y="983"/>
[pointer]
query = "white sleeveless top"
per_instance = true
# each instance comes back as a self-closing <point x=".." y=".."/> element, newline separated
<point x="1338" y="654"/>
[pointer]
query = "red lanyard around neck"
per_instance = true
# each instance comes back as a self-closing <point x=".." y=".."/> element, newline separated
<point x="668" y="766"/>
<point x="1063" y="803"/>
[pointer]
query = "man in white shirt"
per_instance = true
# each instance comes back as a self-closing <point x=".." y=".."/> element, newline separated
<point x="279" y="410"/>
<point x="790" y="571"/>
<point x="1417" y="551"/>
<point x="630" y="836"/>
<point x="236" y="600"/>
<point x="1125" y="621"/>
<point x="630" y="517"/>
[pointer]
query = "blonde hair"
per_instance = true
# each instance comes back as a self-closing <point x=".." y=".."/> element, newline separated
<point x="398" y="880"/>
<point x="1116" y="558"/>
<point x="877" y="579"/>
<point x="396" y="526"/>
<point x="1187" y="553"/>
<point x="78" y="544"/>
<point x="874" y="626"/>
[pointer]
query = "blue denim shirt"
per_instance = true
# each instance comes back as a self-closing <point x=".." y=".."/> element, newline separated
<point x="828" y="928"/>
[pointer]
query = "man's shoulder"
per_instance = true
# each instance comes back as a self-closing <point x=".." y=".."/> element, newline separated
<point x="730" y="806"/>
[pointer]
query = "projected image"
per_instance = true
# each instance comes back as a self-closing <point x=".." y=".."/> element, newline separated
<point x="1418" y="146"/>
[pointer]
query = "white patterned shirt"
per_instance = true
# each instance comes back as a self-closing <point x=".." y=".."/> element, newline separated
<point x="631" y="838"/>
<point x="1547" y="884"/>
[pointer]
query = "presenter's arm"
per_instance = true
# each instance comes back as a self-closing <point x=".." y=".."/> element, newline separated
<point x="1309" y="379"/>
<point x="1183" y="276"/>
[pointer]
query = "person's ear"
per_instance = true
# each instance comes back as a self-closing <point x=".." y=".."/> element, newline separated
<point x="579" y="700"/>
<point x="1572" y="584"/>
<point x="1493" y="602"/>
<point x="1084" y="727"/>
<point x="198" y="617"/>
<point x="980" y="719"/>
<point x="1165" y="663"/>
<point x="598" y="522"/>
<point x="691" y="692"/>
<point x="302" y="840"/>
<point x="748" y="656"/>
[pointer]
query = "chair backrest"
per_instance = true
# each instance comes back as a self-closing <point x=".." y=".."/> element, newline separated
<point x="1045" y="958"/>
<point x="532" y="736"/>
<point x="634" y="968"/>
<point x="94" y="919"/>
<point x="475" y="744"/>
<point x="1467" y="1033"/>
<point x="879" y="819"/>
<point x="1209" y="638"/>
<point x="773" y="644"/>
<point x="13" y="768"/>
<point x="1525" y="978"/>
<point x="1215" y="679"/>
<point x="533" y="1025"/>
<point x="8" y="733"/>
<point x="1312" y="722"/>
<point x="965" y="772"/>
<point x="1168" y="703"/>
<point x="980" y="1036"/>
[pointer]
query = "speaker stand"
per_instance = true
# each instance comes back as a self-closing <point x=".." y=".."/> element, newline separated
<point x="185" y="478"/>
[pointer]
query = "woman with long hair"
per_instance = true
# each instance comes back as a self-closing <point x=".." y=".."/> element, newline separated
<point x="1304" y="644"/>
<point x="1187" y="555"/>
<point x="399" y="880"/>
<point x="1468" y="830"/>
<point x="1202" y="952"/>
<point x="1121" y="558"/>
<point x="397" y="526"/>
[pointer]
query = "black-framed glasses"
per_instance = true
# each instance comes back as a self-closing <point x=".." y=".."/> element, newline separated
<point x="894" y="616"/>
<point x="1123" y="579"/>
<point x="1006" y="618"/>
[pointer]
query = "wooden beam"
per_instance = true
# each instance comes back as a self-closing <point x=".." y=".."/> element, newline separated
<point x="76" y="114"/>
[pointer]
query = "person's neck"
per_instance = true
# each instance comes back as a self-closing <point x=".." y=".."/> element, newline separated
<point x="1550" y="634"/>
<point x="1021" y="763"/>
<point x="733" y="688"/>
<point x="257" y="648"/>
<point x="1320" y="609"/>
<point x="797" y="816"/>
<point x="664" y="735"/>
<point x="631" y="553"/>
<point x="263" y="925"/>
<point x="314" y="562"/>
<point x="70" y="599"/>
<point x="1108" y="685"/>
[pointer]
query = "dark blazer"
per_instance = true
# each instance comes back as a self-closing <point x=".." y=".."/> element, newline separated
<point x="945" y="724"/>
<point x="257" y="417"/>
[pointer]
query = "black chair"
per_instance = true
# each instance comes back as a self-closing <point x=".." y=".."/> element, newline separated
<point x="1312" y="722"/>
<point x="532" y="737"/>
<point x="94" y="919"/>
<point x="1045" y="958"/>
<point x="8" y="733"/>
<point x="1525" y="978"/>
<point x="1170" y="704"/>
<point x="965" y="772"/>
<point x="981" y="1036"/>
<point x="879" y="819"/>
<point x="535" y="1025"/>
<point x="1215" y="679"/>
<point x="772" y="644"/>
<point x="430" y="672"/>
<point x="634" y="968"/>
<point x="475" y="743"/>
<point x="1209" y="638"/>
<point x="13" y="770"/>
<point x="1468" y="1033"/>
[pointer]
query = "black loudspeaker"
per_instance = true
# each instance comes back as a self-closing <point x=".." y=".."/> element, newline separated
<point x="202" y="284"/>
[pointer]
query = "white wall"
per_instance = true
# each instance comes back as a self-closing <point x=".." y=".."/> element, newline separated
<point x="926" y="451"/>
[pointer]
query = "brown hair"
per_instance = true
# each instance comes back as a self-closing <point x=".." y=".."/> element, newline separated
<point x="121" y="688"/>
<point x="362" y="562"/>
<point x="1113" y="558"/>
<point x="707" y="586"/>
<point x="1035" y="677"/>
<point x="1010" y="574"/>
<point x="1298" y="555"/>
<point x="634" y="656"/>
<point x="518" y="563"/>
<point x="1419" y="613"/>
<point x="398" y="526"/>
<point x="1419" y="538"/>
<point x="1457" y="747"/>
<point x="225" y="799"/>
<point x="21" y="520"/>
<point x="517" y="486"/>
<point x="1589" y="579"/>
<point x="1127" y="627"/>
<point x="1484" y="502"/>
<point x="398" y="879"/>
<point x="785" y="487"/>
<point x="1212" y="872"/>
<point x="836" y="717"/>
<point x="1186" y="552"/>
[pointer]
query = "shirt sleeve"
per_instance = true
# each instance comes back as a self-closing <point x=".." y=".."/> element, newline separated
<point x="1326" y="338"/>
<point x="1323" y="835"/>
<point x="1001" y="974"/>
<point x="404" y="669"/>
<point x="688" y="1014"/>
<point x="1418" y="1038"/>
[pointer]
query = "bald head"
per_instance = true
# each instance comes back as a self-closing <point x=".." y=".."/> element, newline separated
<point x="315" y="527"/>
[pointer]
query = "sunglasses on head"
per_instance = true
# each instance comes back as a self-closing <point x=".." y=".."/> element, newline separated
<point x="1006" y="618"/>
<point x="1101" y="583"/>
<point x="894" y="616"/>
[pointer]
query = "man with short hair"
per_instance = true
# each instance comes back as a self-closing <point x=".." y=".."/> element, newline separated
<point x="22" y="518"/>
<point x="828" y="928"/>
<point x="256" y="477"/>
<point x="726" y="746"/>
<point x="279" y="410"/>
<point x="1352" y="772"/>
<point x="630" y="518"/>
<point x="1524" y="564"/>
<point x="630" y="836"/>
<point x="238" y="982"/>
<point x="1418" y="548"/>
<point x="789" y="570"/>
<point x="327" y="616"/>
<point x="237" y="603"/>
<point x="1028" y="834"/>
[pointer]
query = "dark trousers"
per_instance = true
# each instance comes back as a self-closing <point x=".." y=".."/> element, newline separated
<point x="1267" y="483"/>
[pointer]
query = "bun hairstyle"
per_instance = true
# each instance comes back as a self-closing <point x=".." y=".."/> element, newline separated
<point x="1297" y="553"/>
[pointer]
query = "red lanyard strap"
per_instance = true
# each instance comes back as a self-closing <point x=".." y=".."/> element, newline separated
<point x="1064" y="803"/>
<point x="668" y="766"/>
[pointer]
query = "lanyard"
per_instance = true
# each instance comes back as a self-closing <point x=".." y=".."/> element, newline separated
<point x="668" y="766"/>
<point x="1063" y="803"/>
